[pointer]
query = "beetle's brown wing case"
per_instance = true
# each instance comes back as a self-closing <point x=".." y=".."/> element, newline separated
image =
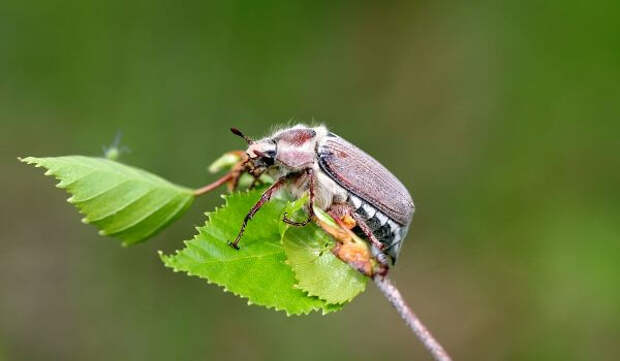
<point x="362" y="175"/>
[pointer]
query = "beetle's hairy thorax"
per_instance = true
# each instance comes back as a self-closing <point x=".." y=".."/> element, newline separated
<point x="297" y="151"/>
<point x="296" y="147"/>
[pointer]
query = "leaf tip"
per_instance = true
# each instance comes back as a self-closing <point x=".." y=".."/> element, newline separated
<point x="27" y="160"/>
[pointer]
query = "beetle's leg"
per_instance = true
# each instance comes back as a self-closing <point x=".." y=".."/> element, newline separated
<point x="346" y="217"/>
<point x="263" y="199"/>
<point x="380" y="255"/>
<point x="254" y="181"/>
<point x="341" y="213"/>
<point x="341" y="231"/>
<point x="349" y="248"/>
<point x="256" y="175"/>
<point x="310" y="204"/>
<point x="367" y="231"/>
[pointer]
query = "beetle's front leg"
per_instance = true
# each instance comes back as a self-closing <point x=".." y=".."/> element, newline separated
<point x="263" y="199"/>
<point x="285" y="218"/>
<point x="256" y="173"/>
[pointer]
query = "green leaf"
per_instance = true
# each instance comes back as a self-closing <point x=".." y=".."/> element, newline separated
<point x="317" y="270"/>
<point x="225" y="162"/>
<point x="121" y="201"/>
<point x="258" y="271"/>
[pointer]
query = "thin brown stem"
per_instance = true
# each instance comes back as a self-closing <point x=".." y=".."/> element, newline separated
<point x="396" y="299"/>
<point x="209" y="187"/>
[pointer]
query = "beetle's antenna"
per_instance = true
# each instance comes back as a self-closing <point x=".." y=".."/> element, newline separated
<point x="396" y="299"/>
<point x="236" y="131"/>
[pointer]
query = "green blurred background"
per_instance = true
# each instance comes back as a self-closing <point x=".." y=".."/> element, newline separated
<point x="502" y="118"/>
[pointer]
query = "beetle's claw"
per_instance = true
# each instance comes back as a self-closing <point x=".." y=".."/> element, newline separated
<point x="233" y="245"/>
<point x="286" y="220"/>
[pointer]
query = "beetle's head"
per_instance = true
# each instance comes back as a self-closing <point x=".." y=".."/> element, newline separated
<point x="261" y="153"/>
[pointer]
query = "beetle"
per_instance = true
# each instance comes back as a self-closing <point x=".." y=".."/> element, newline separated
<point x="341" y="179"/>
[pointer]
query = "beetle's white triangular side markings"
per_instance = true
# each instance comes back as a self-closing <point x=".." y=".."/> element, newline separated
<point x="395" y="227"/>
<point x="356" y="201"/>
<point x="381" y="217"/>
<point x="370" y="210"/>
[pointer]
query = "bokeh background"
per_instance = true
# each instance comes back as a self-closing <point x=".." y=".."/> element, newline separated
<point x="501" y="117"/>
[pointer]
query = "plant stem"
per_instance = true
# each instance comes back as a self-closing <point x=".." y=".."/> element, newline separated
<point x="396" y="299"/>
<point x="212" y="186"/>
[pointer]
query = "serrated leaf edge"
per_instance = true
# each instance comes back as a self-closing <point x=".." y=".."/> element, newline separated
<point x="297" y="285"/>
<point x="208" y="214"/>
<point x="36" y="162"/>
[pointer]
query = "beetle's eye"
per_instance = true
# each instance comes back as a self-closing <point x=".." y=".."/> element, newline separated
<point x="268" y="161"/>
